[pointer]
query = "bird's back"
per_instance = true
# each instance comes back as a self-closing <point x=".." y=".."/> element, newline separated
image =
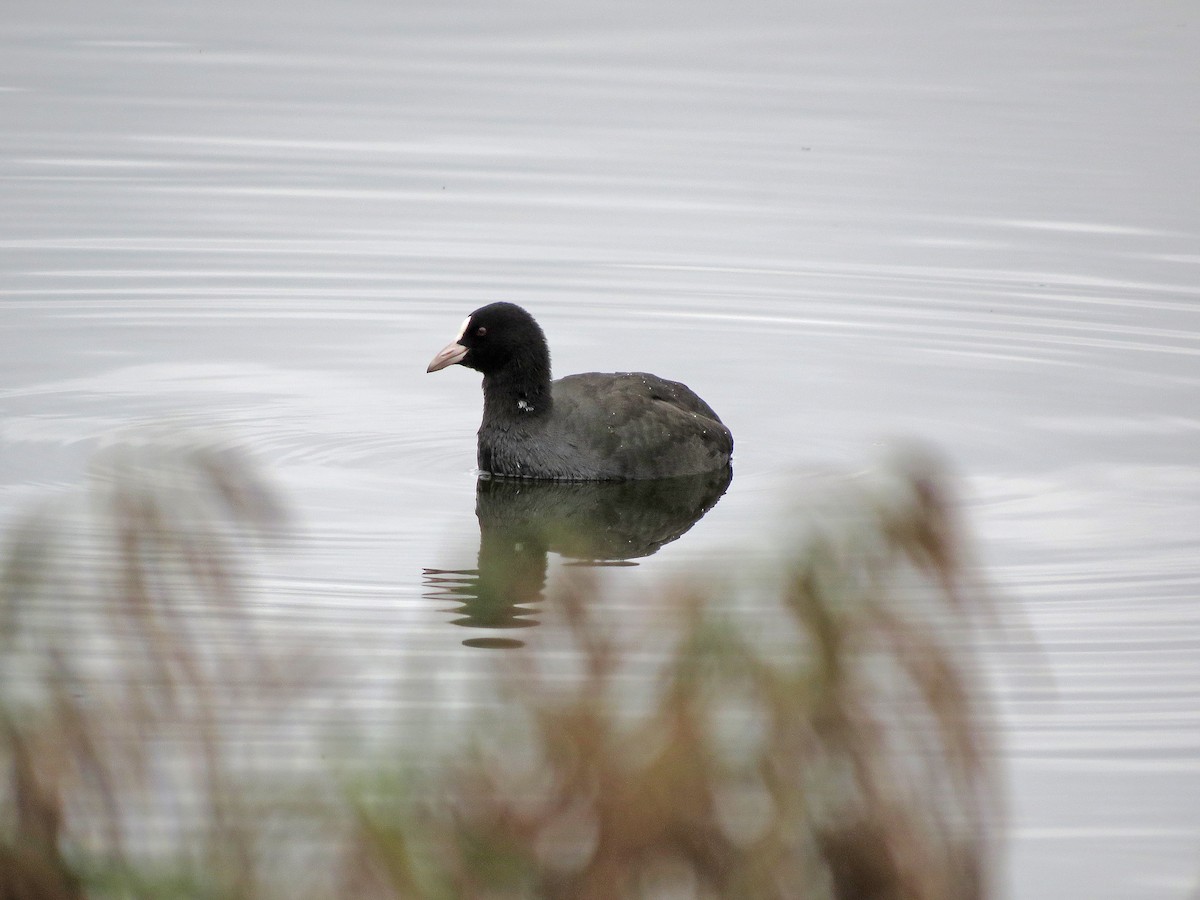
<point x="634" y="425"/>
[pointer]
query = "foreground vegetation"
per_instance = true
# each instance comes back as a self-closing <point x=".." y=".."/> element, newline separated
<point x="810" y="729"/>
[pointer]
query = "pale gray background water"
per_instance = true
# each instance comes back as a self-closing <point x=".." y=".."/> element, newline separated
<point x="838" y="222"/>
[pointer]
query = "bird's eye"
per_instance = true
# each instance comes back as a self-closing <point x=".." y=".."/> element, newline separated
<point x="480" y="331"/>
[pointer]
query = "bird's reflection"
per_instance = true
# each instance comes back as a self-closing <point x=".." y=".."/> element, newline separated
<point x="591" y="523"/>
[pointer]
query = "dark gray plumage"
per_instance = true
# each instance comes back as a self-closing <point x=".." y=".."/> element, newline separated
<point x="591" y="427"/>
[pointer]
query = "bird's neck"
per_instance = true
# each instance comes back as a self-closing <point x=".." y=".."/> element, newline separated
<point x="517" y="392"/>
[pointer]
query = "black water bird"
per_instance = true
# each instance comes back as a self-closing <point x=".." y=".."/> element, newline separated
<point x="593" y="427"/>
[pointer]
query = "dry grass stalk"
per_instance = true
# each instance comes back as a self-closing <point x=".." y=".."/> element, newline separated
<point x="805" y="729"/>
<point x="846" y="760"/>
<point x="124" y="634"/>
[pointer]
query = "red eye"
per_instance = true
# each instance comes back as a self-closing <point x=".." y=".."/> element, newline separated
<point x="480" y="331"/>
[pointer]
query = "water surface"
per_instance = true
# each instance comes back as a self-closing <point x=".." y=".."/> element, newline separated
<point x="837" y="223"/>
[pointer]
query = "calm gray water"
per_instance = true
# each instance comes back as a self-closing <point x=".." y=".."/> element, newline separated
<point x="838" y="222"/>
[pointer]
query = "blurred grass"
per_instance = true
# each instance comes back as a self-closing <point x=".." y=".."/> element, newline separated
<point x="808" y="729"/>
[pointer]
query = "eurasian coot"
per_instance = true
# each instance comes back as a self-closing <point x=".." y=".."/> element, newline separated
<point x="592" y="427"/>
